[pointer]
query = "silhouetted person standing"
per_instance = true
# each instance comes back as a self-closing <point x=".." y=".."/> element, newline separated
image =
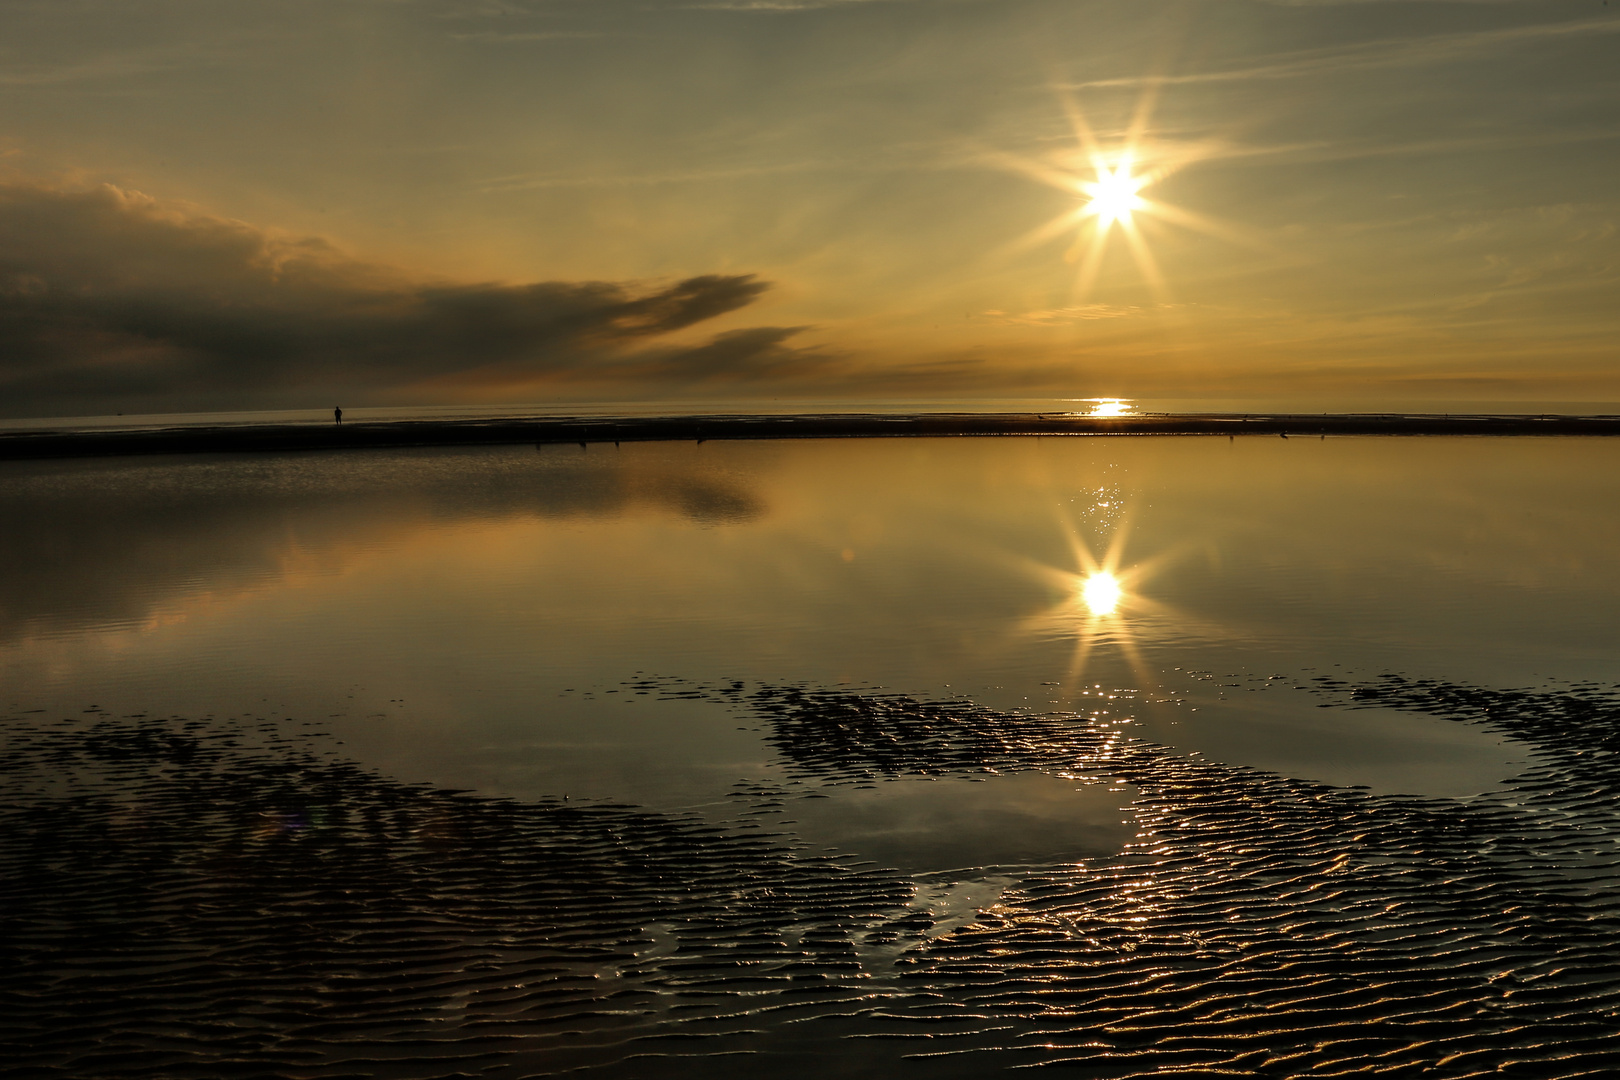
<point x="337" y="416"/>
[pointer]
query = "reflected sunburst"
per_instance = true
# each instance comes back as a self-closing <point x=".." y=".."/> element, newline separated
<point x="1101" y="593"/>
<point x="1099" y="603"/>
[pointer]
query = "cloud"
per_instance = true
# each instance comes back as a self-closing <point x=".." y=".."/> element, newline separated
<point x="756" y="354"/>
<point x="772" y="5"/>
<point x="508" y="8"/>
<point x="518" y="37"/>
<point x="1375" y="55"/>
<point x="110" y="299"/>
<point x="758" y="350"/>
<point x="530" y="182"/>
<point x="1064" y="315"/>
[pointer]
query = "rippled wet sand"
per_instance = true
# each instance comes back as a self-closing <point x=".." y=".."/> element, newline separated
<point x="202" y="898"/>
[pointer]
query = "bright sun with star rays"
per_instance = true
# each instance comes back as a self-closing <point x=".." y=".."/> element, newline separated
<point x="1113" y="194"/>
<point x="1110" y="175"/>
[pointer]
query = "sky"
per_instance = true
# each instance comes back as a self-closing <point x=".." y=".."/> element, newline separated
<point x="209" y="204"/>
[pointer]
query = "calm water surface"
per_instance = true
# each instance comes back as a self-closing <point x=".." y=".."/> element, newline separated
<point x="469" y="617"/>
<point x="640" y="626"/>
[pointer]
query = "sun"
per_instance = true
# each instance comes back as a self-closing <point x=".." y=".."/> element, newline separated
<point x="1114" y="194"/>
<point x="1110" y="181"/>
<point x="1109" y="172"/>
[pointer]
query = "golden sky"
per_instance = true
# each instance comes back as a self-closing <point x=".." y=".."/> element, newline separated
<point x="289" y="203"/>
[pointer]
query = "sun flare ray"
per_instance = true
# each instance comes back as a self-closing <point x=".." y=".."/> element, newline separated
<point x="1148" y="264"/>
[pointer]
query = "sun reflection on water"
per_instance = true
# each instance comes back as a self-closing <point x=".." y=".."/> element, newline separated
<point x="1101" y="593"/>
<point x="1109" y="407"/>
<point x="1096" y="602"/>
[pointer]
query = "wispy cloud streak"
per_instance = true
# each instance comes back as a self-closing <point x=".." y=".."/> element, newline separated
<point x="1418" y="52"/>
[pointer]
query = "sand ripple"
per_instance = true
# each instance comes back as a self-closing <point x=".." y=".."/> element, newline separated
<point x="187" y="898"/>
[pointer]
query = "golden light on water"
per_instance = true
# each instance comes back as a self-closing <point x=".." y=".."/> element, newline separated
<point x="1097" y="605"/>
<point x="1110" y="407"/>
<point x="1101" y="593"/>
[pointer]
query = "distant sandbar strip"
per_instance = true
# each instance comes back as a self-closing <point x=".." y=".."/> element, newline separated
<point x="540" y="430"/>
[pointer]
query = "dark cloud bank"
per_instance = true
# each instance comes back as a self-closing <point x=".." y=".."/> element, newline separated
<point x="114" y="301"/>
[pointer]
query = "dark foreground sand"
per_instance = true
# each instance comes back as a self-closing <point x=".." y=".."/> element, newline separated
<point x="396" y="433"/>
<point x="183" y="898"/>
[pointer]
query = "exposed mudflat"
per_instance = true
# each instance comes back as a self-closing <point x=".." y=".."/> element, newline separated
<point x="209" y="898"/>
